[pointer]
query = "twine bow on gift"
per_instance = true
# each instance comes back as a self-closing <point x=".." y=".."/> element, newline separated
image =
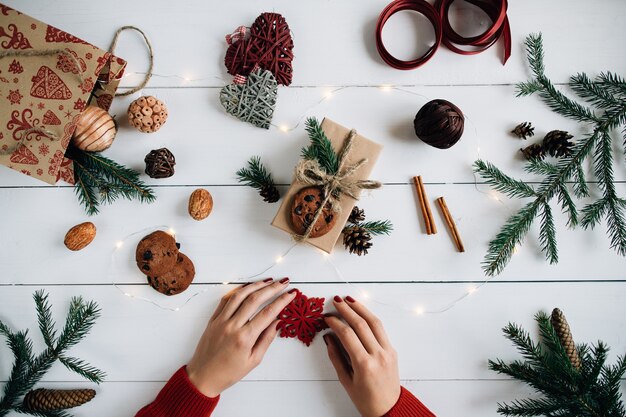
<point x="335" y="185"/>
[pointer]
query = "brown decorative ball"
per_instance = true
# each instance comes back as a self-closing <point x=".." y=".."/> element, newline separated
<point x="95" y="130"/>
<point x="303" y="209"/>
<point x="200" y="204"/>
<point x="160" y="163"/>
<point x="147" y="114"/>
<point x="439" y="123"/>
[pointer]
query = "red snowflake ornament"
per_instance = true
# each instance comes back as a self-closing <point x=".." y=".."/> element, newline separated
<point x="302" y="318"/>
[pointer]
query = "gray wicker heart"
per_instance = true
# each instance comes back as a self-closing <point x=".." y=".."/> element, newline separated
<point x="254" y="101"/>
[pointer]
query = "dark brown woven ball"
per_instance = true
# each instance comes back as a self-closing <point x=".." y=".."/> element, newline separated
<point x="160" y="163"/>
<point x="439" y="123"/>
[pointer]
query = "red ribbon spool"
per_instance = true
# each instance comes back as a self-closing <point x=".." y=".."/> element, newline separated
<point x="438" y="16"/>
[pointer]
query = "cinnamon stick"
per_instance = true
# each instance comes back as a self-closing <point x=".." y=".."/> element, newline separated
<point x="422" y="203"/>
<point x="429" y="213"/>
<point x="451" y="225"/>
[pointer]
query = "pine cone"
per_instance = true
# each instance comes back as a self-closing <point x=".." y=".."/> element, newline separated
<point x="565" y="336"/>
<point x="269" y="193"/>
<point x="357" y="240"/>
<point x="557" y="144"/>
<point x="524" y="130"/>
<point x="534" y="151"/>
<point x="56" y="399"/>
<point x="357" y="215"/>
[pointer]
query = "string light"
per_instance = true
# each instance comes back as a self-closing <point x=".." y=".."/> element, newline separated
<point x="326" y="95"/>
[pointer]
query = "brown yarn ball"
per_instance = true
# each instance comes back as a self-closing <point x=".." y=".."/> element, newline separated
<point x="95" y="130"/>
<point x="160" y="163"/>
<point x="147" y="114"/>
<point x="439" y="123"/>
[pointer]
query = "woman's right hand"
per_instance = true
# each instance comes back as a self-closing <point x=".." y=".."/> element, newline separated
<point x="365" y="361"/>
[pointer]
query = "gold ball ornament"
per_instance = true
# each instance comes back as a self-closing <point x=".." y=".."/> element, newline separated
<point x="147" y="114"/>
<point x="95" y="130"/>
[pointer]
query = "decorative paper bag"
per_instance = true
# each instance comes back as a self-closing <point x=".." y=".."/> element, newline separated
<point x="361" y="148"/>
<point x="47" y="78"/>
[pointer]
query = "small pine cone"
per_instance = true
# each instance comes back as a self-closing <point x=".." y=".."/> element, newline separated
<point x="524" y="130"/>
<point x="357" y="215"/>
<point x="534" y="151"/>
<point x="269" y="193"/>
<point x="56" y="399"/>
<point x="565" y="336"/>
<point x="557" y="144"/>
<point x="357" y="240"/>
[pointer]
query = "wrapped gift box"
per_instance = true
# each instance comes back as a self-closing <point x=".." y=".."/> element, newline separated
<point x="43" y="92"/>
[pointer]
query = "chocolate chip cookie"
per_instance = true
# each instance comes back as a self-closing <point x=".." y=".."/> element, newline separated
<point x="156" y="253"/>
<point x="305" y="204"/>
<point x="177" y="279"/>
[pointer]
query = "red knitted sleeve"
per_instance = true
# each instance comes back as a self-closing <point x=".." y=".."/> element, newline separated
<point x="408" y="406"/>
<point x="180" y="398"/>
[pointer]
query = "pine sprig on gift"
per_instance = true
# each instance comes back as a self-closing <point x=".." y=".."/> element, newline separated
<point x="320" y="149"/>
<point x="102" y="180"/>
<point x="378" y="227"/>
<point x="591" y="391"/>
<point x="257" y="176"/>
<point x="28" y="369"/>
<point x="607" y="93"/>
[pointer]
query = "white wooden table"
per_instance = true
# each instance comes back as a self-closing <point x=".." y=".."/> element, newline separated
<point x="443" y="356"/>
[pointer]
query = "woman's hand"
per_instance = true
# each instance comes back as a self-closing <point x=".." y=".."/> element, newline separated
<point x="365" y="361"/>
<point x="237" y="337"/>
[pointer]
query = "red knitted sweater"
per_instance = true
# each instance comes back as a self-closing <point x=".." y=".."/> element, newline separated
<point x="180" y="398"/>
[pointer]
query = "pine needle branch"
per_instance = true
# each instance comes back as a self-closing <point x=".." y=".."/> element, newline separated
<point x="256" y="175"/>
<point x="377" y="227"/>
<point x="501" y="182"/>
<point x="594" y="391"/>
<point x="29" y="369"/>
<point x="606" y="93"/>
<point x="102" y="180"/>
<point x="320" y="149"/>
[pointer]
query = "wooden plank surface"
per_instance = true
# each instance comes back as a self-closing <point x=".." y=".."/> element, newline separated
<point x="337" y="73"/>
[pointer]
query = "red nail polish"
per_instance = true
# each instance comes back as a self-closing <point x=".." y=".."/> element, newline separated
<point x="284" y="280"/>
<point x="350" y="299"/>
<point x="268" y="280"/>
<point x="292" y="291"/>
<point x="337" y="299"/>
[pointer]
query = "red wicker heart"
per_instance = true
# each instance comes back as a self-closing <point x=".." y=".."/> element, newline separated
<point x="270" y="45"/>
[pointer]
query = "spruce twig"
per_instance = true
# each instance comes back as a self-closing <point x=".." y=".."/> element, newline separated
<point x="257" y="176"/>
<point x="102" y="180"/>
<point x="591" y="391"/>
<point x="378" y="227"/>
<point x="321" y="148"/>
<point x="607" y="93"/>
<point x="29" y="369"/>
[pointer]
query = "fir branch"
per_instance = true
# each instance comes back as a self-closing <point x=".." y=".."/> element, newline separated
<point x="321" y="149"/>
<point x="93" y="171"/>
<point x="547" y="234"/>
<point x="502" y="247"/>
<point x="256" y="175"/>
<point x="44" y="317"/>
<point x="605" y="93"/>
<point x="28" y="370"/>
<point x="83" y="369"/>
<point x="501" y="182"/>
<point x="80" y="319"/>
<point x="377" y="227"/>
<point x="592" y="392"/>
<point x="594" y="92"/>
